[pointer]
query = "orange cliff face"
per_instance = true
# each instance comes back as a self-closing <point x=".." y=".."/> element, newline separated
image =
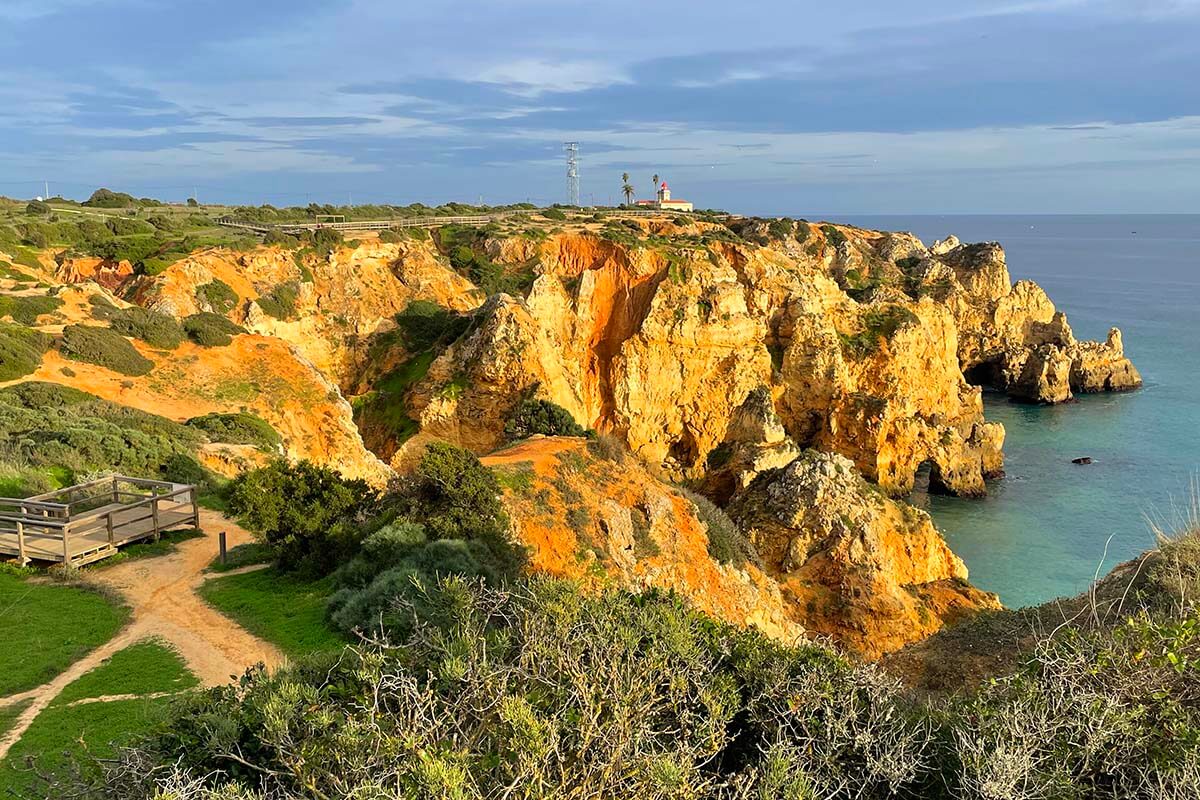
<point x="612" y="523"/>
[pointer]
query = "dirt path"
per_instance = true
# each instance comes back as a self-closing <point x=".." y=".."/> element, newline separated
<point x="161" y="593"/>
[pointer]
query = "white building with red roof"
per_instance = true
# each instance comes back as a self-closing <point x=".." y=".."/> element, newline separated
<point x="664" y="202"/>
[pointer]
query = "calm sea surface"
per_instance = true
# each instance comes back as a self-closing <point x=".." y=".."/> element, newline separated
<point x="1044" y="529"/>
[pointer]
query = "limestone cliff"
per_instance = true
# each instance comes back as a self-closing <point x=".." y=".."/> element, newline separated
<point x="871" y="573"/>
<point x="341" y="299"/>
<point x="660" y="344"/>
<point x="612" y="523"/>
<point x="1011" y="337"/>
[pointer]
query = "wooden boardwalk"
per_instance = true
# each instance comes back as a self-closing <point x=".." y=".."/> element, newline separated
<point x="85" y="523"/>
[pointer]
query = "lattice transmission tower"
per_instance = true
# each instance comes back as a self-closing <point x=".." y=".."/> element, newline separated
<point x="572" y="149"/>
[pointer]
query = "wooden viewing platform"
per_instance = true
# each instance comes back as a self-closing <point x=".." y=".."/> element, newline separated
<point x="85" y="523"/>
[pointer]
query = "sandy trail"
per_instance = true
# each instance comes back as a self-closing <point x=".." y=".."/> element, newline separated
<point x="161" y="593"/>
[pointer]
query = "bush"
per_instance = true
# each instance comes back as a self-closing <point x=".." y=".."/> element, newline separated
<point x="104" y="198"/>
<point x="218" y="296"/>
<point x="26" y="309"/>
<point x="128" y="227"/>
<point x="423" y="324"/>
<point x="555" y="214"/>
<point x="50" y="425"/>
<point x="878" y="324"/>
<point x="280" y="239"/>
<point x="780" y="228"/>
<point x="540" y="416"/>
<point x="447" y="520"/>
<point x="726" y="542"/>
<point x="280" y="302"/>
<point x="21" y="350"/>
<point x="152" y="327"/>
<point x="612" y="695"/>
<point x="305" y="513"/>
<point x="105" y="348"/>
<point x="38" y="208"/>
<point x="238" y="428"/>
<point x="210" y="330"/>
<point x="326" y="240"/>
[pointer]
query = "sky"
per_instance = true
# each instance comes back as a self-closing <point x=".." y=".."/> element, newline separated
<point x="763" y="107"/>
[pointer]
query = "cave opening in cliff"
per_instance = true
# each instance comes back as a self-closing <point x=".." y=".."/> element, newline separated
<point x="985" y="374"/>
<point x="927" y="481"/>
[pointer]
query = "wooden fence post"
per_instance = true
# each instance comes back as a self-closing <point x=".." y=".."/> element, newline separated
<point x="66" y="544"/>
<point x="108" y="518"/>
<point x="21" y="543"/>
<point x="221" y="544"/>
<point x="154" y="513"/>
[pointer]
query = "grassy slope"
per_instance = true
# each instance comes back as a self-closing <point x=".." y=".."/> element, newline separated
<point x="283" y="610"/>
<point x="63" y="730"/>
<point x="45" y="628"/>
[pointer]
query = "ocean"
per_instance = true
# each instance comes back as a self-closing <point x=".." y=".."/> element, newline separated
<point x="1049" y="526"/>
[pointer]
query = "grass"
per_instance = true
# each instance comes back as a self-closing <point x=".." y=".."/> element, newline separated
<point x="9" y="714"/>
<point x="147" y="667"/>
<point x="244" y="555"/>
<point x="63" y="733"/>
<point x="285" y="610"/>
<point x="45" y="628"/>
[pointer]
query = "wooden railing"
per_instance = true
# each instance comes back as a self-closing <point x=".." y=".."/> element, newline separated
<point x="95" y="518"/>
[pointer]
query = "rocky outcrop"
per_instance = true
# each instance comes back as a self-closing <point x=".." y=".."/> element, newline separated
<point x="342" y="300"/>
<point x="610" y="522"/>
<point x="110" y="275"/>
<point x="1011" y="337"/>
<point x="871" y="573"/>
<point x="755" y="441"/>
<point x="661" y="346"/>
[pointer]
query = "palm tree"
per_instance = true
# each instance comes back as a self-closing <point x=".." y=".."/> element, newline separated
<point x="627" y="188"/>
<point x="655" y="179"/>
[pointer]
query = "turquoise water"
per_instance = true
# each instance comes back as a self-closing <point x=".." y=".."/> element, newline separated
<point x="1043" y="530"/>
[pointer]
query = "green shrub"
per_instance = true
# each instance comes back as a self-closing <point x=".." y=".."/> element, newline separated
<point x="163" y="223"/>
<point x="238" y="428"/>
<point x="423" y="324"/>
<point x="878" y="324"/>
<point x="54" y="426"/>
<point x="834" y="235"/>
<point x="726" y="542"/>
<point x="608" y="695"/>
<point x="152" y="327"/>
<point x="218" y="296"/>
<point x="120" y="226"/>
<point x="780" y="228"/>
<point x="280" y="302"/>
<point x="105" y="198"/>
<point x="280" y="239"/>
<point x="210" y="330"/>
<point x="304" y="512"/>
<point x="391" y="236"/>
<point x="555" y="214"/>
<point x="326" y="240"/>
<point x="105" y="348"/>
<point x="21" y="350"/>
<point x="535" y="415"/>
<point x="38" y="208"/>
<point x="26" y="309"/>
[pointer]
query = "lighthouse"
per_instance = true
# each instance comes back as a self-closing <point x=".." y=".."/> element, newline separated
<point x="663" y="201"/>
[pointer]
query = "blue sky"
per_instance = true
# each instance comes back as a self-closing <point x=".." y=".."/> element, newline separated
<point x="761" y="107"/>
